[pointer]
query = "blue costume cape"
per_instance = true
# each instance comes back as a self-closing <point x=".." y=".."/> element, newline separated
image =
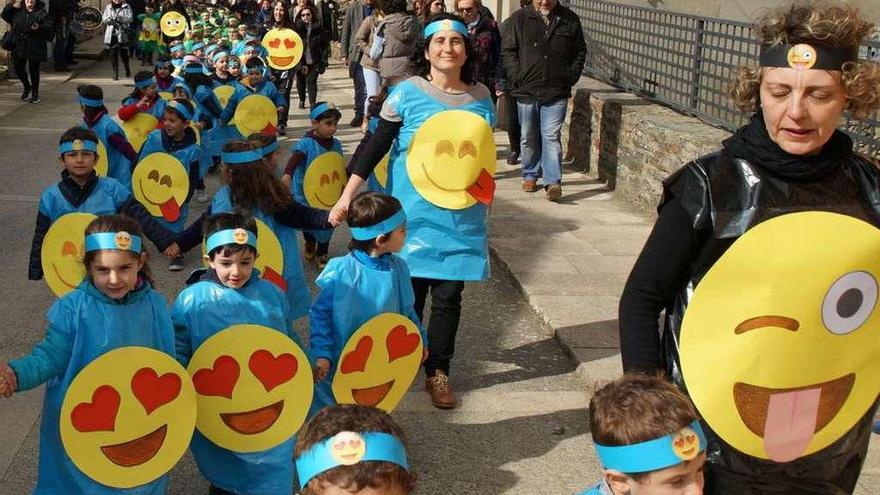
<point x="106" y="199"/>
<point x="201" y="311"/>
<point x="188" y="156"/>
<point x="440" y="243"/>
<point x="83" y="325"/>
<point x="312" y="150"/>
<point x="354" y="289"/>
<point x="118" y="165"/>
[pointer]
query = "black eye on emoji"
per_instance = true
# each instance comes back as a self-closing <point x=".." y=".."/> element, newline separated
<point x="153" y="175"/>
<point x="444" y="147"/>
<point x="166" y="181"/>
<point x="849" y="302"/>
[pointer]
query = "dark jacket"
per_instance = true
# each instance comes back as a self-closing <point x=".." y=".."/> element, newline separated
<point x="543" y="62"/>
<point x="486" y="40"/>
<point x="401" y="30"/>
<point x="30" y="43"/>
<point x="316" y="43"/>
<point x="354" y="16"/>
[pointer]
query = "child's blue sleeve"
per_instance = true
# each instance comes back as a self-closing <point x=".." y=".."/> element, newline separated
<point x="182" y="337"/>
<point x="277" y="97"/>
<point x="49" y="359"/>
<point x="229" y="111"/>
<point x="321" y="324"/>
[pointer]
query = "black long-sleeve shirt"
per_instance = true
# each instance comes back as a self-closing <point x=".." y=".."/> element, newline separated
<point x="377" y="148"/>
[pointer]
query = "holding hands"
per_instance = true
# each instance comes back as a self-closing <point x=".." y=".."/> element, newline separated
<point x="322" y="367"/>
<point x="8" y="381"/>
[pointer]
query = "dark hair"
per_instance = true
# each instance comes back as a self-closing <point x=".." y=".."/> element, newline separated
<point x="196" y="80"/>
<point x="116" y="223"/>
<point x="254" y="62"/>
<point x="252" y="185"/>
<point x="186" y="104"/>
<point x="90" y="91"/>
<point x="392" y="6"/>
<point x="422" y="65"/>
<point x="224" y="221"/>
<point x="262" y="139"/>
<point x="374" y="474"/>
<point x="333" y="113"/>
<point x="141" y="76"/>
<point x="369" y="208"/>
<point x="286" y="22"/>
<point x="78" y="133"/>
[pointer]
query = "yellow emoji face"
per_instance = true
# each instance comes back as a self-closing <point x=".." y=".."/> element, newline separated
<point x="256" y="113"/>
<point x="254" y="387"/>
<point x="801" y="56"/>
<point x="128" y="416"/>
<point x="166" y="95"/>
<point x="348" y="448"/>
<point x="686" y="444"/>
<point x="160" y="183"/>
<point x="172" y="24"/>
<point x="63" y="250"/>
<point x="240" y="236"/>
<point x="451" y="160"/>
<point x="284" y="48"/>
<point x="223" y="93"/>
<point x="137" y="129"/>
<point x="379" y="362"/>
<point x="780" y="342"/>
<point x="381" y="171"/>
<point x="102" y="165"/>
<point x="123" y="240"/>
<point x="324" y="180"/>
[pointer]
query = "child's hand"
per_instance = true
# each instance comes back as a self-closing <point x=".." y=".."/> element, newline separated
<point x="285" y="179"/>
<point x="322" y="367"/>
<point x="172" y="251"/>
<point x="8" y="382"/>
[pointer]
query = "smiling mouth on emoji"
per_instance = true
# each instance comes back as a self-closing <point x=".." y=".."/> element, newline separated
<point x="282" y="61"/>
<point x="438" y="186"/>
<point x="328" y="205"/>
<point x="371" y="396"/>
<point x="255" y="421"/>
<point x="170" y="209"/>
<point x="138" y="451"/>
<point x="61" y="279"/>
<point x="788" y="418"/>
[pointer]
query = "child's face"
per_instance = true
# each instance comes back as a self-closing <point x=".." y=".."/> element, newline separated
<point x="174" y="125"/>
<point x="394" y="242"/>
<point x="234" y="70"/>
<point x="220" y="64"/>
<point x="255" y="76"/>
<point x="115" y="273"/>
<point x="683" y="479"/>
<point x="325" y="128"/>
<point x="79" y="164"/>
<point x="180" y="93"/>
<point x="233" y="271"/>
<point x="199" y="53"/>
<point x="163" y="72"/>
<point x="151" y="92"/>
<point x="392" y="489"/>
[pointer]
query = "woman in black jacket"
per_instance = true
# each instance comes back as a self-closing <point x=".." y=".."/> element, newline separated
<point x="283" y="79"/>
<point x="313" y="35"/>
<point x="31" y="30"/>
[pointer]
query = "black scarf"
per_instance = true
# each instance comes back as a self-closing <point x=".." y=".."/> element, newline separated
<point x="753" y="144"/>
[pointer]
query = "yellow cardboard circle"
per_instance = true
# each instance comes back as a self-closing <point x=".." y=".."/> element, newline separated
<point x="255" y="113"/>
<point x="102" y="166"/>
<point x="381" y="171"/>
<point x="254" y="387"/>
<point x="62" y="253"/>
<point x="759" y="352"/>
<point x="160" y="183"/>
<point x="447" y="155"/>
<point x="379" y="362"/>
<point x="172" y="24"/>
<point x="128" y="417"/>
<point x="137" y="129"/>
<point x="197" y="131"/>
<point x="166" y="95"/>
<point x="324" y="180"/>
<point x="270" y="261"/>
<point x="223" y="93"/>
<point x="284" y="48"/>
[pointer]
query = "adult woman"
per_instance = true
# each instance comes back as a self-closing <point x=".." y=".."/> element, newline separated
<point x="299" y="4"/>
<point x="400" y="31"/>
<point x="364" y="37"/>
<point x="314" y="50"/>
<point x="446" y="243"/>
<point x="117" y="35"/>
<point x="770" y="179"/>
<point x="31" y="29"/>
<point x="283" y="79"/>
<point x="485" y="37"/>
<point x="429" y="8"/>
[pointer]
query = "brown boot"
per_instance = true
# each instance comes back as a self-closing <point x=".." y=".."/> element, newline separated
<point x="554" y="192"/>
<point x="530" y="185"/>
<point x="310" y="249"/>
<point x="440" y="390"/>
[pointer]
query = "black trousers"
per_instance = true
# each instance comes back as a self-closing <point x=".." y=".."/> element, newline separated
<point x="356" y="73"/>
<point x="117" y="52"/>
<point x="514" y="131"/>
<point x="284" y="83"/>
<point x="322" y="246"/>
<point x="308" y="82"/>
<point x="443" y="323"/>
<point x="28" y="72"/>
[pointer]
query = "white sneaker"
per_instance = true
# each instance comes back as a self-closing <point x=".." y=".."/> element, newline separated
<point x="202" y="195"/>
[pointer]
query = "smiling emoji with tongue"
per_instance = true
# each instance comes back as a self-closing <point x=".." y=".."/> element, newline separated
<point x="161" y="183"/>
<point x="780" y="343"/>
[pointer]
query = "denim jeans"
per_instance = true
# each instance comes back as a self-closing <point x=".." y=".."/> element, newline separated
<point x="372" y="83"/>
<point x="541" y="144"/>
<point x="356" y="72"/>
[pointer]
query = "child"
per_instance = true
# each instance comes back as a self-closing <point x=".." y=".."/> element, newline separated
<point x="267" y="144"/>
<point x="369" y="281"/>
<point x="162" y="69"/>
<point x="382" y="469"/>
<point x="145" y="98"/>
<point x="208" y="110"/>
<point x="637" y="422"/>
<point x="254" y="83"/>
<point x="234" y="67"/>
<point x="115" y="306"/>
<point x="319" y="140"/>
<point x="230" y="293"/>
<point x="81" y="190"/>
<point x="121" y="157"/>
<point x="177" y="138"/>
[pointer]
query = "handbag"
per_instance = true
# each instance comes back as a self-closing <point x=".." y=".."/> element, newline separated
<point x="8" y="42"/>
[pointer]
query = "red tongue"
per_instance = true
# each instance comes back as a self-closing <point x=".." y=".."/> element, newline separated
<point x="791" y="423"/>
<point x="170" y="210"/>
<point x="273" y="276"/>
<point x="483" y="190"/>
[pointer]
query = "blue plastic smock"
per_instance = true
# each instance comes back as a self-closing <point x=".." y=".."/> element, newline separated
<point x="312" y="150"/>
<point x="118" y="165"/>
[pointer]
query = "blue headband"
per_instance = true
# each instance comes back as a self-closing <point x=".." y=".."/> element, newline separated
<point x="221" y="53"/>
<point x="181" y="109"/>
<point x="198" y="45"/>
<point x="318" y="110"/>
<point x="373" y="231"/>
<point x="194" y="69"/>
<point x="78" y="145"/>
<point x="90" y="102"/>
<point x="177" y="48"/>
<point x="339" y="451"/>
<point x="163" y="64"/>
<point x="113" y="240"/>
<point x="231" y="236"/>
<point x="660" y="453"/>
<point x="269" y="148"/>
<point x="146" y="83"/>
<point x="241" y="157"/>
<point x="445" y="25"/>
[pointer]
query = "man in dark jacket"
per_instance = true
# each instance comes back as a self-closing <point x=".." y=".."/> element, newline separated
<point x="351" y="54"/>
<point x="31" y="29"/>
<point x="543" y="51"/>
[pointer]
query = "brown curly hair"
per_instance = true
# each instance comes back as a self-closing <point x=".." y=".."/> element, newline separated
<point x="252" y="186"/>
<point x="830" y="23"/>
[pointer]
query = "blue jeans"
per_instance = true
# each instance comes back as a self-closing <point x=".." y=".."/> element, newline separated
<point x="541" y="143"/>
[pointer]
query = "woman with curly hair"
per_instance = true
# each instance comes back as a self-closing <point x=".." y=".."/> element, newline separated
<point x="771" y="180"/>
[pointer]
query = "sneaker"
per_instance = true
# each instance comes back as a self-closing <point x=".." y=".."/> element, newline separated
<point x="310" y="249"/>
<point x="35" y="98"/>
<point x="554" y="192"/>
<point x="322" y="261"/>
<point x="282" y="130"/>
<point x="440" y="390"/>
<point x="513" y="158"/>
<point x="202" y="195"/>
<point x="176" y="264"/>
<point x="25" y="94"/>
<point x="357" y="120"/>
<point x="530" y="185"/>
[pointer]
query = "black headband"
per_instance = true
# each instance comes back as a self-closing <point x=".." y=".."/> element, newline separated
<point x="803" y="55"/>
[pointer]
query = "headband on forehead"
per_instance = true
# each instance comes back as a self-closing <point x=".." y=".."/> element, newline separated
<point x="318" y="110"/>
<point x="177" y="48"/>
<point x="78" y="145"/>
<point x="269" y="149"/>
<point x="181" y="109"/>
<point x="90" y="102"/>
<point x="445" y="25"/>
<point x="217" y="56"/>
<point x="146" y="83"/>
<point x="347" y="448"/>
<point x="163" y="64"/>
<point x="805" y="56"/>
<point x="370" y="232"/>
<point x="121" y="240"/>
<point x="198" y="45"/>
<point x="234" y="62"/>
<point x="193" y="68"/>
<point x="666" y="451"/>
<point x="231" y="236"/>
<point x="241" y="157"/>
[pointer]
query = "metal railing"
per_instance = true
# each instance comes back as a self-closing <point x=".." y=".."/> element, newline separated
<point x="683" y="61"/>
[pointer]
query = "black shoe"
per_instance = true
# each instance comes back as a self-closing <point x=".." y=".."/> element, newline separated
<point x="115" y="76"/>
<point x="513" y="158"/>
<point x="25" y="94"/>
<point x="282" y="130"/>
<point x="63" y="69"/>
<point x="357" y="120"/>
<point x="302" y="104"/>
<point x="35" y="98"/>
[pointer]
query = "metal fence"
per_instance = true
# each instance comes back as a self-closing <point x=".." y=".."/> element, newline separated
<point x="683" y="61"/>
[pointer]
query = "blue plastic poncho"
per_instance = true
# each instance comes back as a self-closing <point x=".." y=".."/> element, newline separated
<point x="106" y="199"/>
<point x="118" y="165"/>
<point x="312" y="150"/>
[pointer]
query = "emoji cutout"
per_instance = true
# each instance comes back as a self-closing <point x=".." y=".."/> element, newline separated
<point x="379" y="362"/>
<point x="128" y="416"/>
<point x="451" y="160"/>
<point x="686" y="444"/>
<point x="348" y="448"/>
<point x="223" y="93"/>
<point x="324" y="180"/>
<point x="284" y="48"/>
<point x="801" y="56"/>
<point x="172" y="24"/>
<point x="381" y="171"/>
<point x="256" y="113"/>
<point x="102" y="166"/>
<point x="63" y="251"/>
<point x="160" y="183"/>
<point x="165" y="95"/>
<point x="254" y="387"/>
<point x="137" y="129"/>
<point x="793" y="351"/>
<point x="270" y="261"/>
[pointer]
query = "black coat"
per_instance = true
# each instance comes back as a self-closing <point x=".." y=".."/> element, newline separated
<point x="317" y="43"/>
<point x="30" y="43"/>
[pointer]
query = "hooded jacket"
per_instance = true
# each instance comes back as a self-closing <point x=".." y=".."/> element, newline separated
<point x="401" y="32"/>
<point x="30" y="44"/>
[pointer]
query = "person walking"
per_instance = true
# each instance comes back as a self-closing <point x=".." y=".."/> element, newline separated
<point x="543" y="51"/>
<point x="485" y="38"/>
<point x="283" y="79"/>
<point x="400" y="30"/>
<point x="312" y="64"/>
<point x="117" y="35"/>
<point x="366" y="33"/>
<point x="31" y="29"/>
<point x="355" y="14"/>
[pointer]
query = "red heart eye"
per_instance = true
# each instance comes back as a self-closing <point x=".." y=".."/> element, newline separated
<point x="153" y="391"/>
<point x="679" y="442"/>
<point x="690" y="439"/>
<point x="339" y="445"/>
<point x="99" y="414"/>
<point x="275" y="43"/>
<point x="218" y="381"/>
<point x="354" y="443"/>
<point x="356" y="360"/>
<point x="400" y="344"/>
<point x="289" y="43"/>
<point x="335" y="176"/>
<point x="272" y="371"/>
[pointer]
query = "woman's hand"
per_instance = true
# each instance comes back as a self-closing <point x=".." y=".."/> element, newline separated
<point x="339" y="211"/>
